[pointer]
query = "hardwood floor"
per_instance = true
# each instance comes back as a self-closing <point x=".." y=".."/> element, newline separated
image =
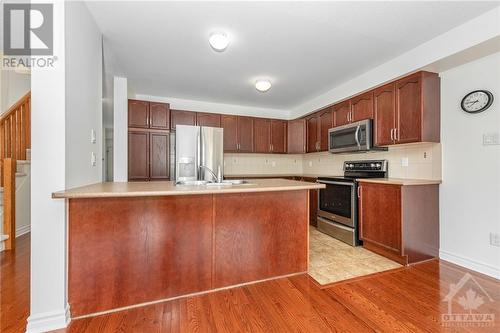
<point x="15" y="287"/>
<point x="406" y="300"/>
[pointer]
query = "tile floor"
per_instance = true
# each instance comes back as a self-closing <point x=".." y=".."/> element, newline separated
<point x="331" y="260"/>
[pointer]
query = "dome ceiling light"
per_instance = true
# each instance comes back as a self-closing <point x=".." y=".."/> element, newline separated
<point x="262" y="85"/>
<point x="218" y="41"/>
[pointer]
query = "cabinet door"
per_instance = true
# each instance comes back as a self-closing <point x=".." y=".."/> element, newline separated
<point x="362" y="107"/>
<point x="325" y="123"/>
<point x="262" y="135"/>
<point x="138" y="113"/>
<point x="380" y="215"/>
<point x="341" y="112"/>
<point x="159" y="152"/>
<point x="230" y="126"/>
<point x="385" y="114"/>
<point x="409" y="109"/>
<point x="278" y="136"/>
<point x="180" y="117"/>
<point x="208" y="119"/>
<point x="245" y="134"/>
<point x="138" y="155"/>
<point x="160" y="115"/>
<point x="297" y="136"/>
<point x="312" y="134"/>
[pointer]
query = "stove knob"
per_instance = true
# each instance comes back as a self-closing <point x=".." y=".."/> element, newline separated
<point x="372" y="165"/>
<point x="379" y="165"/>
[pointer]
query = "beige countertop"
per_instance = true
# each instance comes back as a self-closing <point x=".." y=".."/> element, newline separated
<point x="164" y="188"/>
<point x="400" y="181"/>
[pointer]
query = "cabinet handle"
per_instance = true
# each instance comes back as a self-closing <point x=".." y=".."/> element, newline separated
<point x="396" y="134"/>
<point x="392" y="134"/>
<point x="270" y="147"/>
<point x="359" y="192"/>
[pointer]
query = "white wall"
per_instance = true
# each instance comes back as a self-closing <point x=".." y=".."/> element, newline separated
<point x="48" y="307"/>
<point x="120" y="130"/>
<point x="66" y="104"/>
<point x="201" y="106"/>
<point x="467" y="35"/>
<point x="83" y="96"/>
<point x="469" y="195"/>
<point x="14" y="85"/>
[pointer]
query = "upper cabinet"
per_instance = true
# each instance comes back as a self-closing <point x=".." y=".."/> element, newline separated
<point x="208" y="119"/>
<point x="278" y="136"/>
<point x="342" y="113"/>
<point x="181" y="117"/>
<point x="143" y="114"/>
<point x="312" y="134"/>
<point x="325" y="119"/>
<point x="238" y="134"/>
<point x="296" y="136"/>
<point x="362" y="107"/>
<point x="408" y="110"/>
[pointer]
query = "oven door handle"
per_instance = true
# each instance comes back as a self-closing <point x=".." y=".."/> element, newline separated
<point x="335" y="183"/>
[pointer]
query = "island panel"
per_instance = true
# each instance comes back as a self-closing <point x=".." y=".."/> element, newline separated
<point x="126" y="251"/>
<point x="259" y="236"/>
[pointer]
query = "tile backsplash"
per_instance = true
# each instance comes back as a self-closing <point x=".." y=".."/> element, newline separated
<point x="417" y="161"/>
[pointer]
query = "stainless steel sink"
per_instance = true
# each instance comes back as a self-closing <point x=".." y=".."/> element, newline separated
<point x="193" y="182"/>
<point x="235" y="181"/>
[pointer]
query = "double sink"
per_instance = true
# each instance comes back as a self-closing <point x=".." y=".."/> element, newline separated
<point x="228" y="182"/>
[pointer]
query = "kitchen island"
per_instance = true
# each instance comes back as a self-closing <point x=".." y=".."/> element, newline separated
<point x="143" y="242"/>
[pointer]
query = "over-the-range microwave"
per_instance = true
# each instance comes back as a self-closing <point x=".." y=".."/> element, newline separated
<point x="354" y="137"/>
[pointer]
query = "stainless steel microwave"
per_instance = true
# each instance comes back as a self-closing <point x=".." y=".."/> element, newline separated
<point x="354" y="137"/>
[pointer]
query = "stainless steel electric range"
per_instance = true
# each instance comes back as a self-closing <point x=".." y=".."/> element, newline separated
<point x="338" y="202"/>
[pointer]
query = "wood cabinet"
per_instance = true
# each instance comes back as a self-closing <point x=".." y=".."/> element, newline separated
<point x="384" y="105"/>
<point x="208" y="119"/>
<point x="296" y="136"/>
<point x="159" y="146"/>
<point x="144" y="114"/>
<point x="238" y="134"/>
<point x="400" y="222"/>
<point x="312" y="134"/>
<point x="182" y="117"/>
<point x="313" y="202"/>
<point x="148" y="140"/>
<point x="341" y="113"/>
<point x="138" y="148"/>
<point x="148" y="153"/>
<point x="408" y="110"/>
<point x="318" y="125"/>
<point x="362" y="107"/>
<point x="278" y="136"/>
<point x="269" y="135"/>
<point x="325" y="119"/>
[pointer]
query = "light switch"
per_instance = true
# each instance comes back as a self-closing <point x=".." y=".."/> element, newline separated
<point x="93" y="160"/>
<point x="92" y="136"/>
<point x="404" y="161"/>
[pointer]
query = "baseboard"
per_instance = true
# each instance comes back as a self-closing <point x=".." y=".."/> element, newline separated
<point x="23" y="230"/>
<point x="48" y="321"/>
<point x="474" y="265"/>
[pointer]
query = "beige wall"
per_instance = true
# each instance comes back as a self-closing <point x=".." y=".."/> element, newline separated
<point x="424" y="162"/>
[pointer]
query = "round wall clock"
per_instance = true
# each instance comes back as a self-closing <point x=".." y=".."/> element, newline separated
<point x="477" y="101"/>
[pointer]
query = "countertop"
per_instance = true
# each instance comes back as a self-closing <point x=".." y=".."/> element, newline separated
<point x="164" y="188"/>
<point x="400" y="181"/>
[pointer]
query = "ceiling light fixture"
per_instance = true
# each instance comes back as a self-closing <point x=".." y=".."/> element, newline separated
<point x="262" y="85"/>
<point x="218" y="41"/>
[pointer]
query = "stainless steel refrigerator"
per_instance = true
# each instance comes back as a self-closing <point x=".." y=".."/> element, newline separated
<point x="199" y="153"/>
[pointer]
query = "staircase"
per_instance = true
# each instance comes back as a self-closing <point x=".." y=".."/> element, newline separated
<point x="15" y="144"/>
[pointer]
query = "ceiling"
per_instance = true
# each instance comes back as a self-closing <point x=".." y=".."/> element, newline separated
<point x="304" y="48"/>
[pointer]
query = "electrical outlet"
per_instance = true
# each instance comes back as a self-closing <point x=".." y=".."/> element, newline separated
<point x="490" y="139"/>
<point x="425" y="154"/>
<point x="494" y="239"/>
<point x="404" y="161"/>
<point x="92" y="136"/>
<point x="310" y="163"/>
<point x="93" y="159"/>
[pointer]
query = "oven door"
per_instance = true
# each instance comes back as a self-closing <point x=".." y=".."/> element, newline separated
<point x="350" y="138"/>
<point x="337" y="201"/>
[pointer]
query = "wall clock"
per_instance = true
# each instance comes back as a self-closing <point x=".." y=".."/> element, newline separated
<point x="477" y="101"/>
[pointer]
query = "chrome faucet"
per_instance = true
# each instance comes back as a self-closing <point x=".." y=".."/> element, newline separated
<point x="218" y="177"/>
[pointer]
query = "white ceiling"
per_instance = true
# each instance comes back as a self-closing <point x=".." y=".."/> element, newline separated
<point x="305" y="48"/>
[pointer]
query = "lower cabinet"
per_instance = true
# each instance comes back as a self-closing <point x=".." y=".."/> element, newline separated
<point x="400" y="222"/>
<point x="148" y="153"/>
